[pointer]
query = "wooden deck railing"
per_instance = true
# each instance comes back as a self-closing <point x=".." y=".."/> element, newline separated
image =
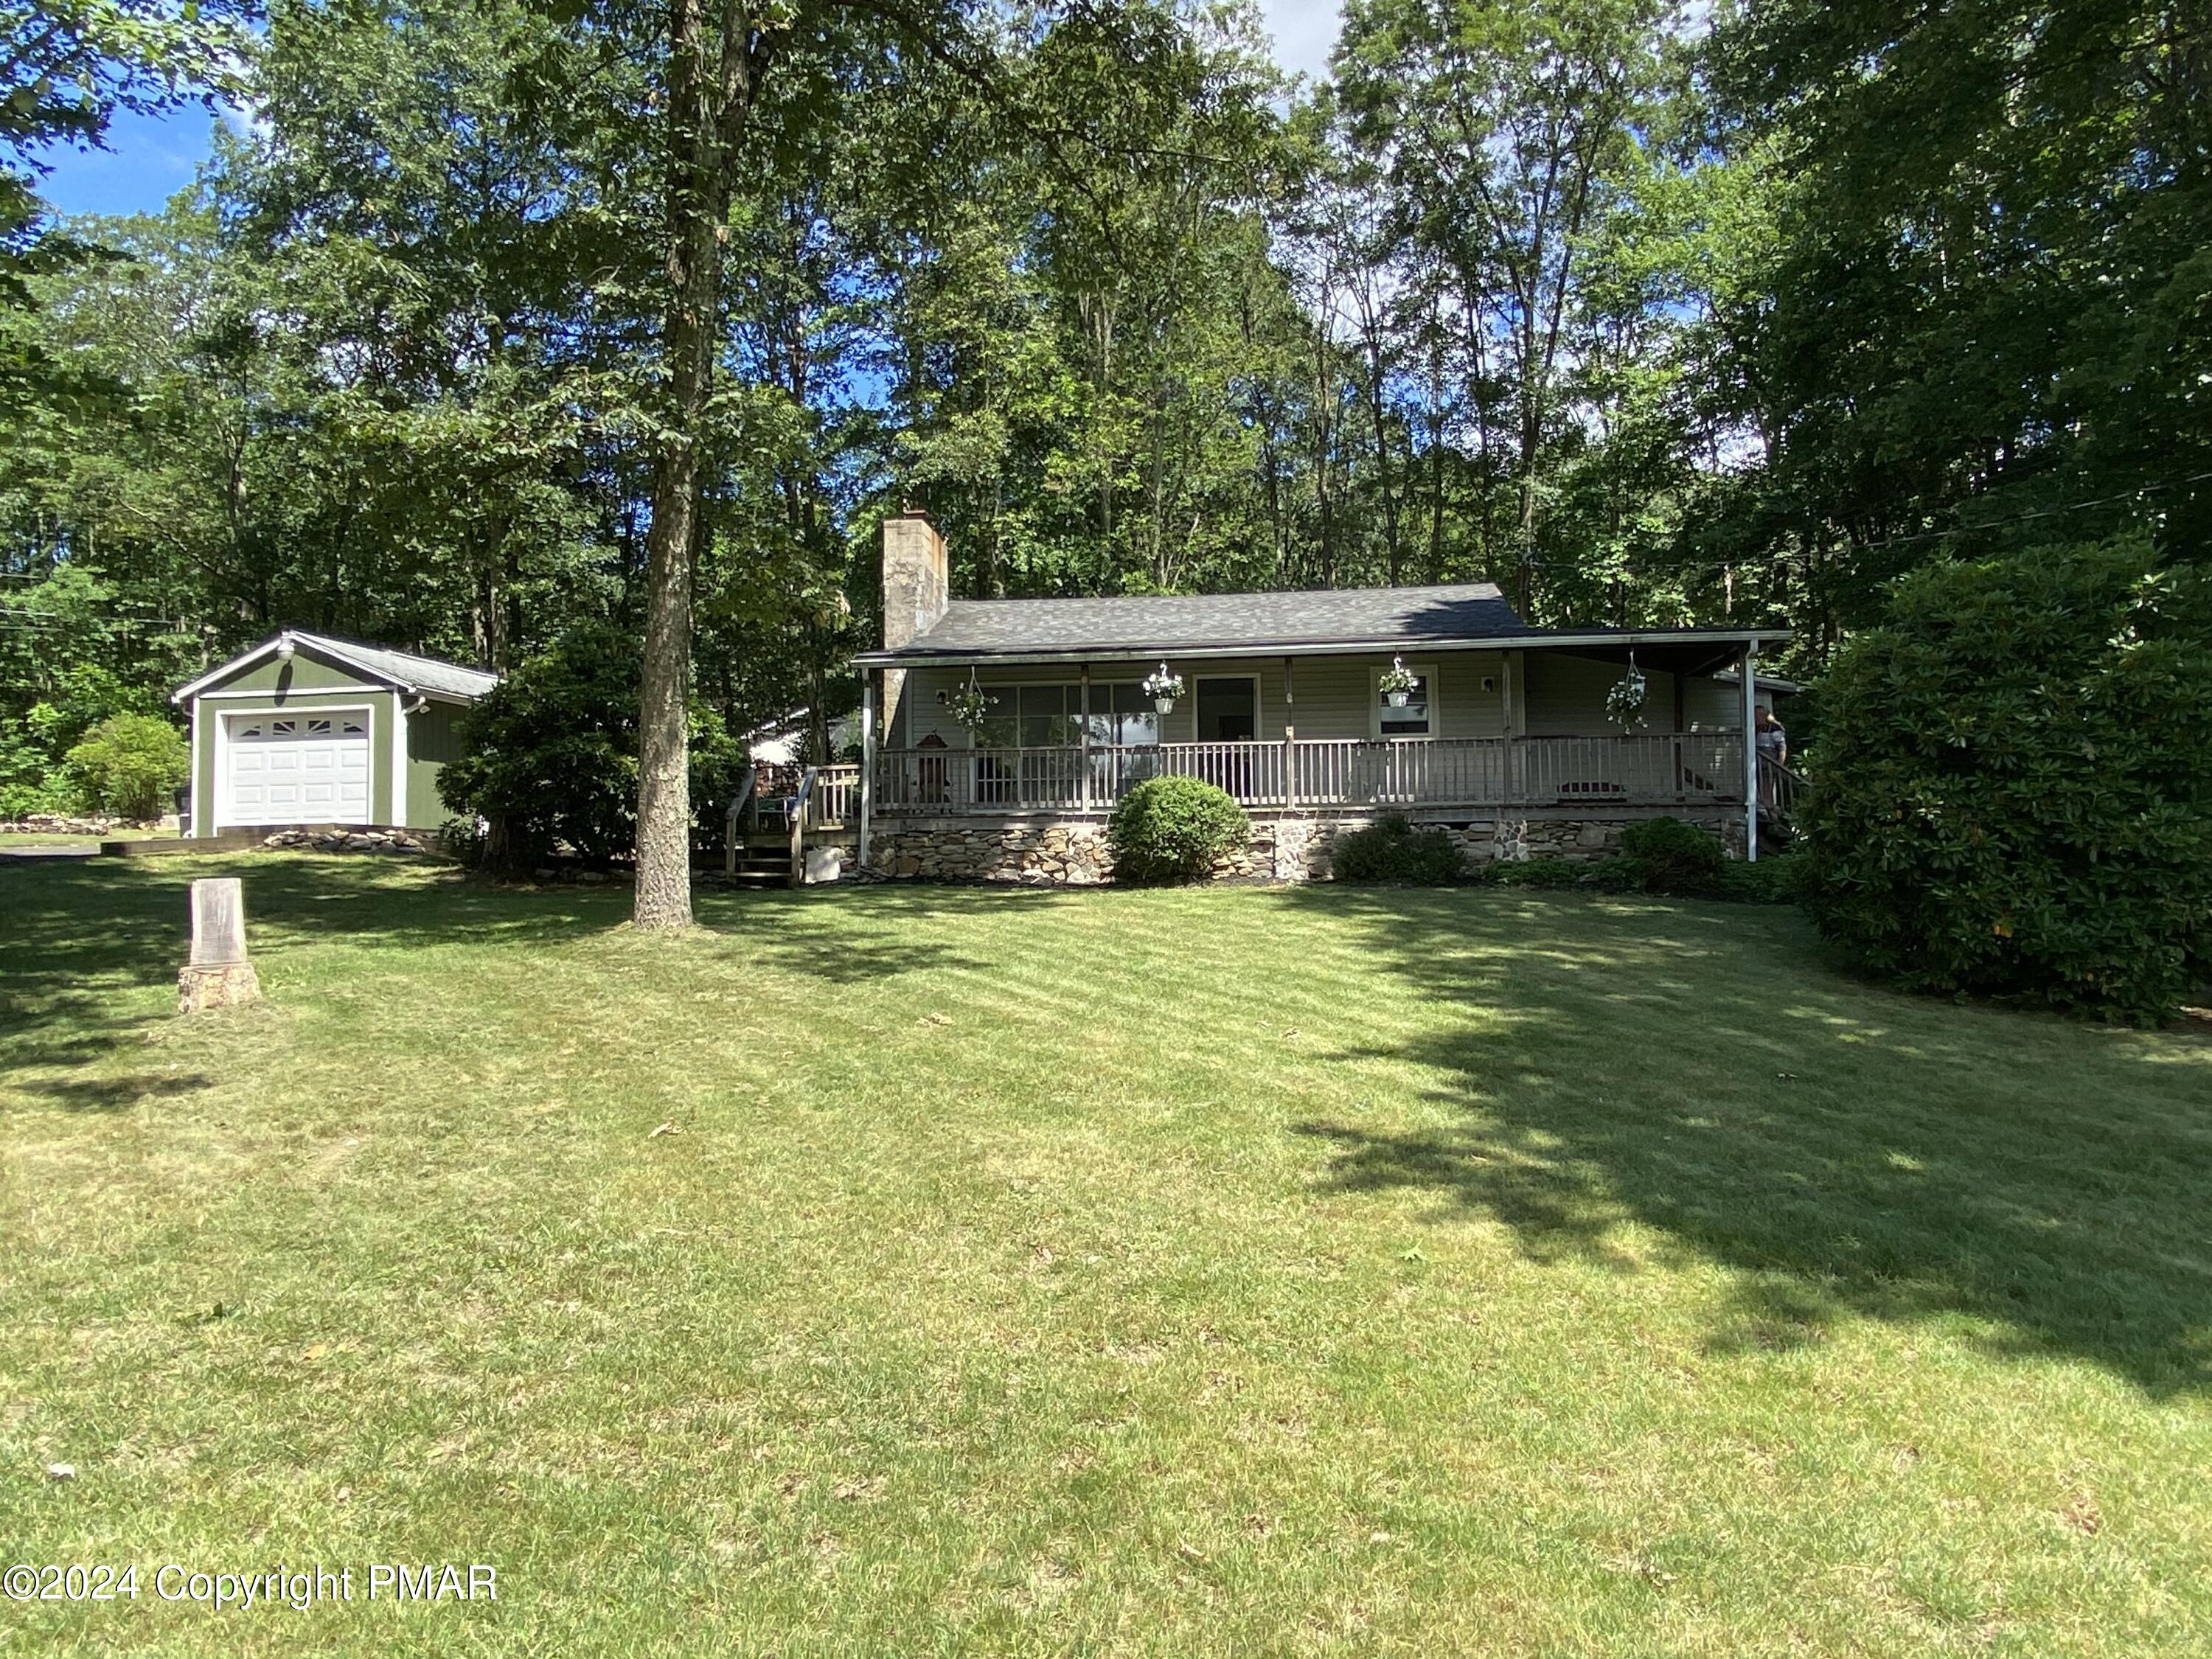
<point x="837" y="796"/>
<point x="1780" y="789"/>
<point x="1647" y="770"/>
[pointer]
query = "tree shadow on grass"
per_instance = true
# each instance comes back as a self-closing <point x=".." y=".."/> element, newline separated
<point x="857" y="934"/>
<point x="1850" y="1151"/>
<point x="112" y="1094"/>
<point x="79" y="937"/>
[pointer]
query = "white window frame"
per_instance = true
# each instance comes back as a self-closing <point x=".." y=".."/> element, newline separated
<point x="1256" y="716"/>
<point x="1428" y="672"/>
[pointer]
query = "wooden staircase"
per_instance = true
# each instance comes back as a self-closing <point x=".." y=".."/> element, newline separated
<point x="758" y="860"/>
<point x="763" y="847"/>
<point x="1780" y="791"/>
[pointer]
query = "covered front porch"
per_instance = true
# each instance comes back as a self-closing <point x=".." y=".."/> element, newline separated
<point x="1505" y="727"/>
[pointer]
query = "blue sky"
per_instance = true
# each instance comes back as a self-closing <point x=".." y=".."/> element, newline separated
<point x="1304" y="32"/>
<point x="150" y="158"/>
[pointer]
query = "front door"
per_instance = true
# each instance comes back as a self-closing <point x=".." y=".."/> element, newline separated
<point x="1228" y="710"/>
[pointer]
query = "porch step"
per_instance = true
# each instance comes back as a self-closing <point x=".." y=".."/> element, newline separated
<point x="760" y="865"/>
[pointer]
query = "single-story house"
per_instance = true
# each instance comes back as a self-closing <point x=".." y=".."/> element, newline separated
<point x="998" y="734"/>
<point x="308" y="729"/>
<point x="782" y="741"/>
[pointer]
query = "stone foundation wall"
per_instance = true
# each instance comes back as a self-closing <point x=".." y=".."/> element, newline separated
<point x="354" y="841"/>
<point x="1073" y="852"/>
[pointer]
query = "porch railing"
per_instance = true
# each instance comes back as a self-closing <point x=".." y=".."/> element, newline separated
<point x="774" y="800"/>
<point x="1645" y="769"/>
<point x="1780" y="789"/>
<point x="836" y="798"/>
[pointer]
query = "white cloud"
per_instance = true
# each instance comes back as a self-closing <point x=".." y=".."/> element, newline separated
<point x="1304" y="33"/>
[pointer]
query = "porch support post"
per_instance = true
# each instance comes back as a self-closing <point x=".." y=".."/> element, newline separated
<point x="1750" y="754"/>
<point x="1509" y="680"/>
<point x="1083" y="761"/>
<point x="1681" y="725"/>
<point x="1290" y="741"/>
<point x="867" y="757"/>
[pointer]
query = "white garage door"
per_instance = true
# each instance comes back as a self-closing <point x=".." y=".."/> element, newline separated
<point x="297" y="769"/>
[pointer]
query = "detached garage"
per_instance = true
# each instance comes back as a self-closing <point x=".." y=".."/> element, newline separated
<point x="308" y="729"/>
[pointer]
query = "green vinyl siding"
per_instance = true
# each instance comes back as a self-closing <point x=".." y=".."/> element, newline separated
<point x="433" y="739"/>
<point x="1566" y="698"/>
<point x="302" y="673"/>
<point x="1331" y="694"/>
<point x="1559" y="694"/>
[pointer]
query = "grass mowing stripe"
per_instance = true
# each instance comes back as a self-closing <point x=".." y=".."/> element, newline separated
<point x="1515" y="1305"/>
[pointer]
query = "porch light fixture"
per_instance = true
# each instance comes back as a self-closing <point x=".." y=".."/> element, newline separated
<point x="284" y="648"/>
<point x="1400" y="682"/>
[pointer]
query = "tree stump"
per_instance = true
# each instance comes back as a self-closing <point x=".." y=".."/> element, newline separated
<point x="218" y="973"/>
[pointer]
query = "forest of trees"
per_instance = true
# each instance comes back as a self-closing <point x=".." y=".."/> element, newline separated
<point x="1650" y="314"/>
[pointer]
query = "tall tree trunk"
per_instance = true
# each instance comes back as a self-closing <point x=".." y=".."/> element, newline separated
<point x="710" y="90"/>
<point x="1380" y="418"/>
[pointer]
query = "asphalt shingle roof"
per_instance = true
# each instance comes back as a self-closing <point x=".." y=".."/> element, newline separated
<point x="402" y="667"/>
<point x="1202" y="622"/>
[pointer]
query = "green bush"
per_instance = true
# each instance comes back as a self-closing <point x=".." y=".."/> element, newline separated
<point x="549" y="757"/>
<point x="1662" y="855"/>
<point x="129" y="765"/>
<point x="2012" y="795"/>
<point x="1675" y="857"/>
<point x="1547" y="870"/>
<point x="1776" y="878"/>
<point x="1392" y="850"/>
<point x="1174" y="829"/>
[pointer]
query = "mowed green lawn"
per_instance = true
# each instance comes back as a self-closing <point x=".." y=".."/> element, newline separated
<point x="1233" y="1271"/>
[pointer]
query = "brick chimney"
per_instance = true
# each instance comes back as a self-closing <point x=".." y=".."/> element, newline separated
<point x="916" y="590"/>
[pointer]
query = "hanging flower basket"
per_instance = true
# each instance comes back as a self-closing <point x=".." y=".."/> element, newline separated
<point x="1400" y="682"/>
<point x="1162" y="688"/>
<point x="970" y="705"/>
<point x="1623" y="703"/>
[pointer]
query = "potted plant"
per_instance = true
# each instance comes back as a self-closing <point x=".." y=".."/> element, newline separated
<point x="1163" y="686"/>
<point x="970" y="705"/>
<point x="1400" y="682"/>
<point x="1623" y="703"/>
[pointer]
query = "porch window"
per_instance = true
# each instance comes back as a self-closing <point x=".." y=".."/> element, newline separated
<point x="1051" y="716"/>
<point x="1417" y="718"/>
<point x="1121" y="715"/>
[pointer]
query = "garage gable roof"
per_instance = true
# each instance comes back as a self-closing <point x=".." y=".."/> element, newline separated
<point x="401" y="671"/>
